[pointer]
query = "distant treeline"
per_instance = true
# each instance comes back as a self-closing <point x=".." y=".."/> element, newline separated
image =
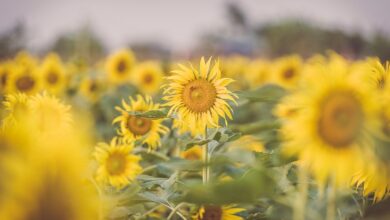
<point x="305" y="39"/>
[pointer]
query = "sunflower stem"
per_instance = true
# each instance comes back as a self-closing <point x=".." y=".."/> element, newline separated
<point x="299" y="208"/>
<point x="331" y="206"/>
<point x="206" y="170"/>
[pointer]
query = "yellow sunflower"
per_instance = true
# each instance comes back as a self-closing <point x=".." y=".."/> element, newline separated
<point x="16" y="107"/>
<point x="6" y="70"/>
<point x="286" y="71"/>
<point x="117" y="165"/>
<point x="25" y="59"/>
<point x="91" y="88"/>
<point x="119" y="66"/>
<point x="49" y="183"/>
<point x="48" y="114"/>
<point x="25" y="80"/>
<point x="235" y="67"/>
<point x="257" y="72"/>
<point x="375" y="176"/>
<point x="137" y="128"/>
<point x="248" y="143"/>
<point x="214" y="212"/>
<point x="194" y="153"/>
<point x="53" y="74"/>
<point x="148" y="77"/>
<point x="199" y="98"/>
<point x="332" y="130"/>
<point x="372" y="72"/>
<point x="375" y="179"/>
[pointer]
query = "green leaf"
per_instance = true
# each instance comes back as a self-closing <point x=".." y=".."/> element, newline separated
<point x="196" y="142"/>
<point x="252" y="186"/>
<point x="153" y="197"/>
<point x="152" y="114"/>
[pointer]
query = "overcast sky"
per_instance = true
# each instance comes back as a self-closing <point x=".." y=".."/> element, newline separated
<point x="179" y="23"/>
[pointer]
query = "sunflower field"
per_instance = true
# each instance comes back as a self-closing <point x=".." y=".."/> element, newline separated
<point x="211" y="138"/>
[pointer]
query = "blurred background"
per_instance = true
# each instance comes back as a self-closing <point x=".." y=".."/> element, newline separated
<point x="183" y="29"/>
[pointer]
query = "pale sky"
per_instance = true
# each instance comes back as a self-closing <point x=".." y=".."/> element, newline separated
<point x="179" y="23"/>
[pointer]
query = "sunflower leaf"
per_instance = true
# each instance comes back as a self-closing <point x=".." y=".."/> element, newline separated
<point x="152" y="114"/>
<point x="192" y="143"/>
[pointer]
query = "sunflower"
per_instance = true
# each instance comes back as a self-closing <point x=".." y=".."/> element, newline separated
<point x="91" y="88"/>
<point x="16" y="107"/>
<point x="6" y="70"/>
<point x="214" y="212"/>
<point x="25" y="79"/>
<point x="235" y="67"/>
<point x="199" y="97"/>
<point x="148" y="77"/>
<point x="24" y="58"/>
<point x="117" y="165"/>
<point x="375" y="176"/>
<point x="119" y="66"/>
<point x="373" y="72"/>
<point x="48" y="114"/>
<point x="257" y="73"/>
<point x="56" y="189"/>
<point x="53" y="74"/>
<point x="138" y="128"/>
<point x="248" y="143"/>
<point x="331" y="132"/>
<point x="194" y="153"/>
<point x="286" y="71"/>
<point x="375" y="179"/>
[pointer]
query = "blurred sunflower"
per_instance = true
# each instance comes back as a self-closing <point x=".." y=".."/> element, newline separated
<point x="119" y="66"/>
<point x="24" y="79"/>
<point x="6" y="70"/>
<point x="117" y="165"/>
<point x="214" y="212"/>
<point x="16" y="107"/>
<point x="25" y="59"/>
<point x="286" y="71"/>
<point x="248" y="143"/>
<point x="375" y="176"/>
<point x="55" y="170"/>
<point x="199" y="97"/>
<point x="235" y="67"/>
<point x="138" y="128"/>
<point x="148" y="77"/>
<point x="91" y="88"/>
<point x="332" y="131"/>
<point x="194" y="153"/>
<point x="257" y="72"/>
<point x="48" y="114"/>
<point x="53" y="74"/>
<point x="376" y="75"/>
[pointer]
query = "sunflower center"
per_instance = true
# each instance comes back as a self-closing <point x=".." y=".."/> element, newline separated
<point x="340" y="120"/>
<point x="52" y="202"/>
<point x="148" y="78"/>
<point x="116" y="164"/>
<point x="52" y="77"/>
<point x="212" y="213"/>
<point x="138" y="125"/>
<point x="93" y="86"/>
<point x="199" y="95"/>
<point x="4" y="78"/>
<point x="289" y="73"/>
<point x="25" y="83"/>
<point x="122" y="66"/>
